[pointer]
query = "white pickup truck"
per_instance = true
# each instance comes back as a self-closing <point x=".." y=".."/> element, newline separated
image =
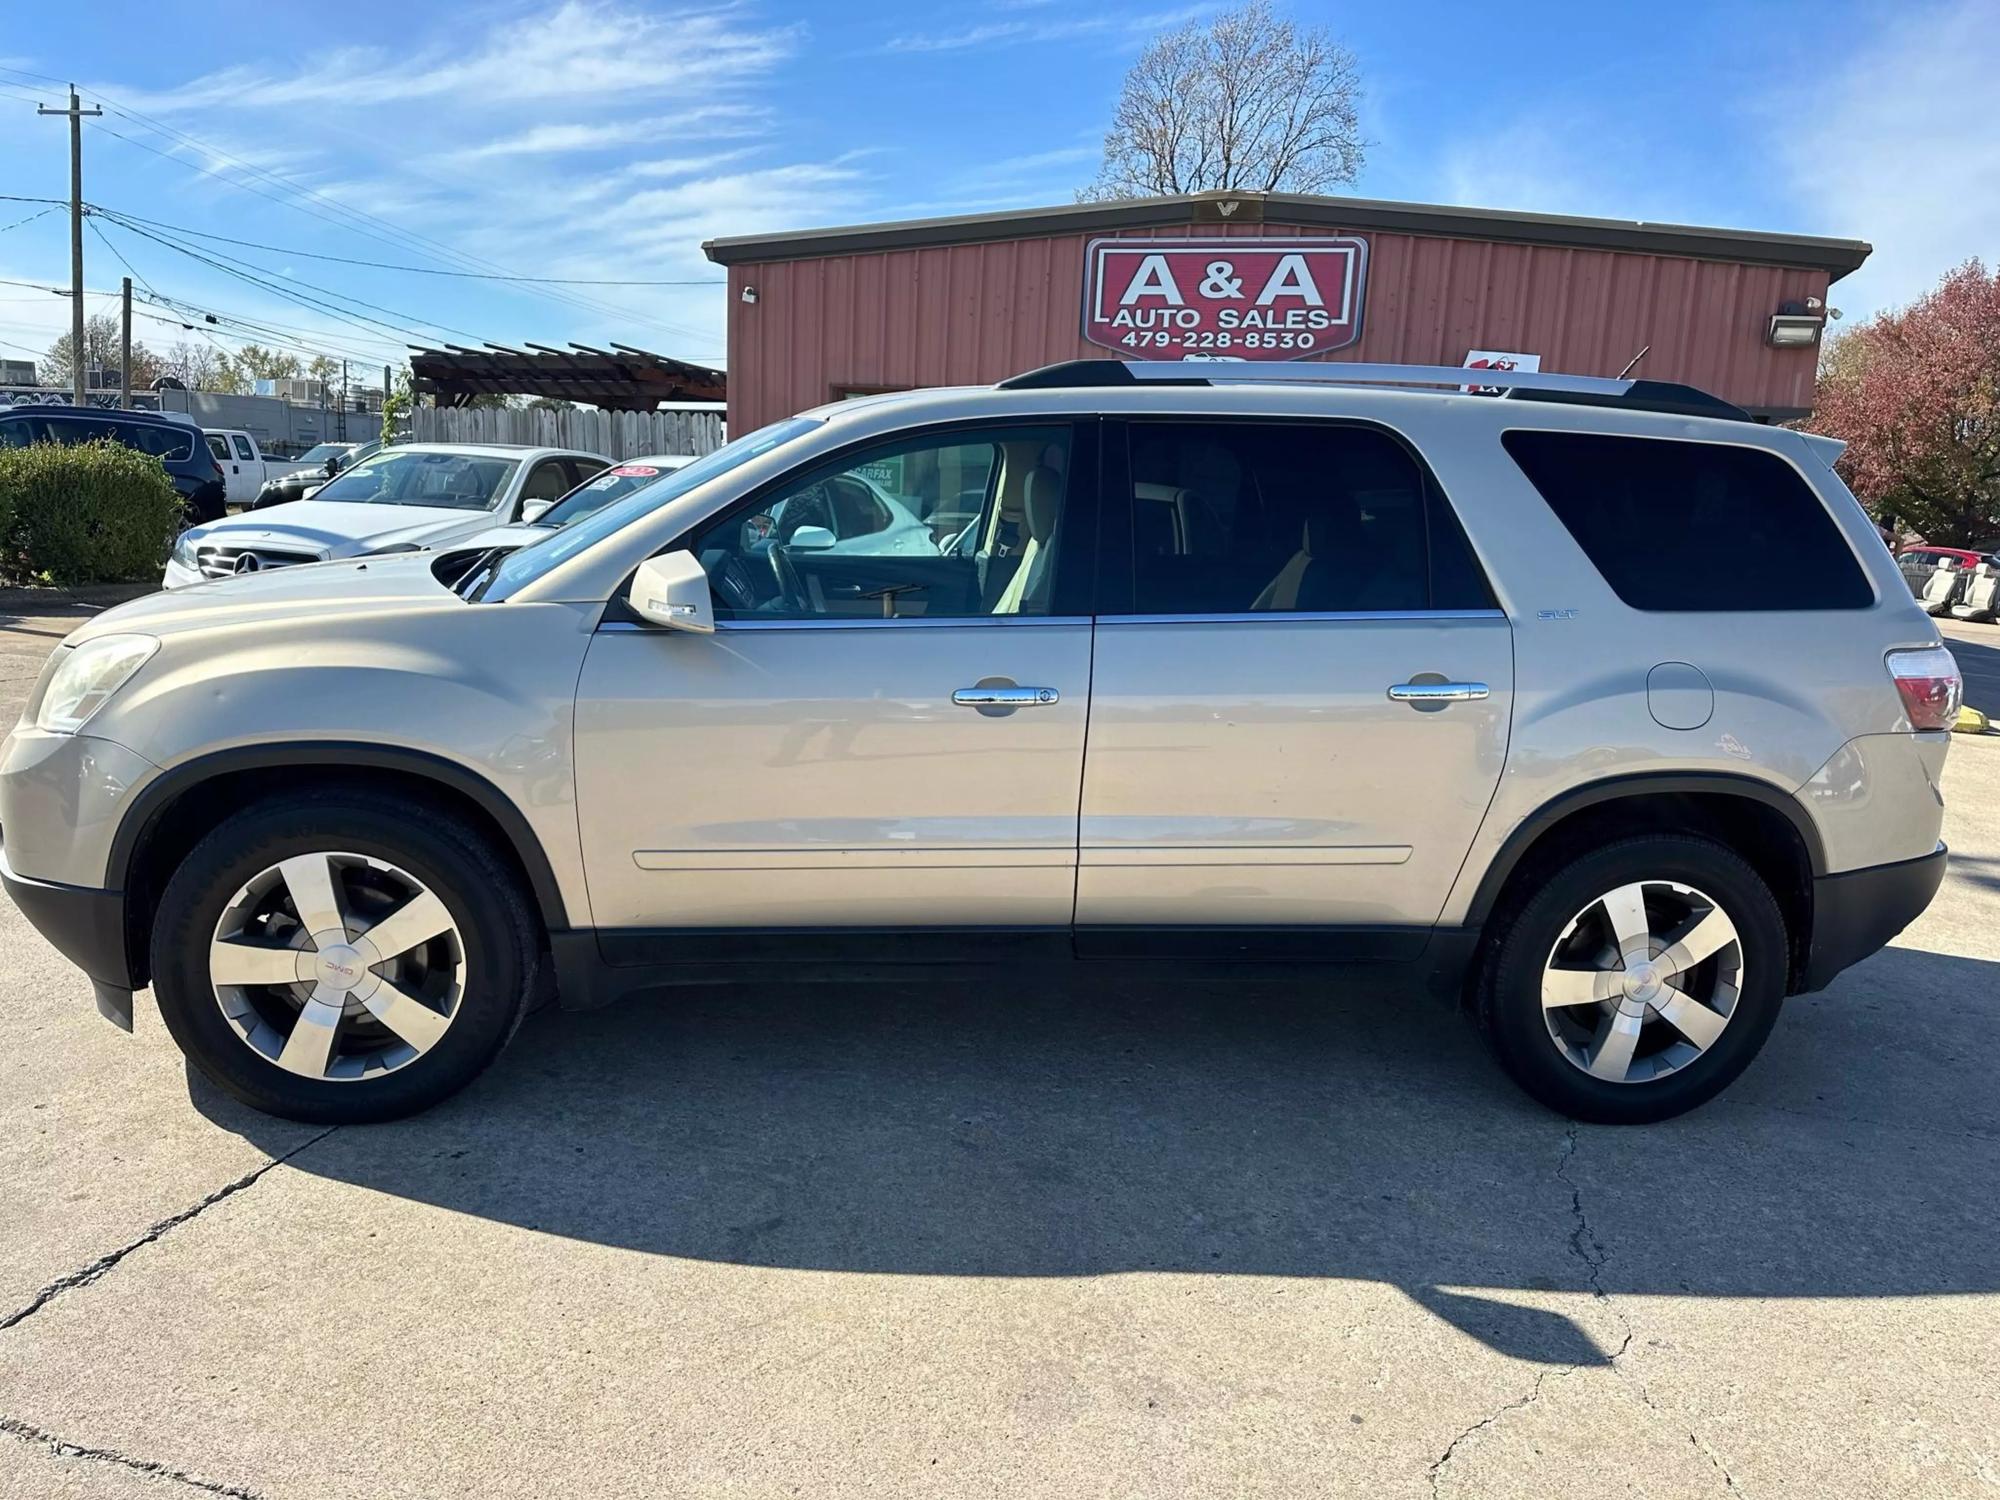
<point x="245" y="468"/>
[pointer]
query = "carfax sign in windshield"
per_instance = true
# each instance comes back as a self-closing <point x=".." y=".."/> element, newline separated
<point x="1248" y="298"/>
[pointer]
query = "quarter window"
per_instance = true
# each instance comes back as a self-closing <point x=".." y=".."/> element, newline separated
<point x="1255" y="517"/>
<point x="960" y="527"/>
<point x="1682" y="526"/>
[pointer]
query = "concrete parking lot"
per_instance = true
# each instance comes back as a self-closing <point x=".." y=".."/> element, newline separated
<point x="1115" y="1236"/>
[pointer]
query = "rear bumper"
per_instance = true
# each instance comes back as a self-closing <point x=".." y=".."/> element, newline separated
<point x="1857" y="912"/>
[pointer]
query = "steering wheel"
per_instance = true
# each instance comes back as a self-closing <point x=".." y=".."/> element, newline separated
<point x="791" y="589"/>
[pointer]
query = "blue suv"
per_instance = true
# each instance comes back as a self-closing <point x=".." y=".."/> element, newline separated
<point x="174" y="440"/>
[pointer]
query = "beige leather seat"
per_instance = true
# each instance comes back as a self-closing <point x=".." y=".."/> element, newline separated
<point x="1027" y="592"/>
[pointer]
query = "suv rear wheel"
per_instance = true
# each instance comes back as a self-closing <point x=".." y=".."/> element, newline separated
<point x="1637" y="981"/>
<point x="342" y="958"/>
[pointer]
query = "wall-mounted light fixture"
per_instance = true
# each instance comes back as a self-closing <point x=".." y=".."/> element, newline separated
<point x="750" y="295"/>
<point x="1795" y="325"/>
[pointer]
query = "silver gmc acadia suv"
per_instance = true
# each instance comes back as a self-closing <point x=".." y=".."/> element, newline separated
<point x="1216" y="662"/>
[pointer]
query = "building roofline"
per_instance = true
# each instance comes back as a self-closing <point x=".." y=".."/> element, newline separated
<point x="1836" y="257"/>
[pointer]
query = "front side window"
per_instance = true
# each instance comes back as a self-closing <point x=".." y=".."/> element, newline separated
<point x="524" y="566"/>
<point x="219" y="446"/>
<point x="1269" y="517"/>
<point x="451" y="481"/>
<point x="1685" y="526"/>
<point x="963" y="526"/>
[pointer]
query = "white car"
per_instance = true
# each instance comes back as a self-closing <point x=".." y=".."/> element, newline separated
<point x="614" y="483"/>
<point x="409" y="498"/>
<point x="845" y="513"/>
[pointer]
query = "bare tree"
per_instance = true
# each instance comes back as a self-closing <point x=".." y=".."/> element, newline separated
<point x="202" y="367"/>
<point x="101" y="349"/>
<point x="1248" y="101"/>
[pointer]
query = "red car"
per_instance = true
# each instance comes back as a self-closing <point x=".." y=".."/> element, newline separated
<point x="1918" y="562"/>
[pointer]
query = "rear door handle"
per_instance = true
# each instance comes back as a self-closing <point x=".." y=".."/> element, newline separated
<point x="1006" y="697"/>
<point x="1438" y="692"/>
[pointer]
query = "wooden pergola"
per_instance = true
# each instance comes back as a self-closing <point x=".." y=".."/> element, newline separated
<point x="620" y="378"/>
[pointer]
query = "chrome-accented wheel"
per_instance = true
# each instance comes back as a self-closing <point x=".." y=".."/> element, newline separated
<point x="337" y="966"/>
<point x="1642" y="981"/>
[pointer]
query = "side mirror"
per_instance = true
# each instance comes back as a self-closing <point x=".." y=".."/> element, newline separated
<point x="531" y="510"/>
<point x="332" y="467"/>
<point x="811" y="539"/>
<point x="671" y="591"/>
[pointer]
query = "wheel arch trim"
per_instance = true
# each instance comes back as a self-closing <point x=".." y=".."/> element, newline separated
<point x="1642" y="784"/>
<point x="164" y="790"/>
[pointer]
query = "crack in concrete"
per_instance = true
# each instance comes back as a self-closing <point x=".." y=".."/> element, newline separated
<point x="62" y="1449"/>
<point x="104" y="1263"/>
<point x="1593" y="1254"/>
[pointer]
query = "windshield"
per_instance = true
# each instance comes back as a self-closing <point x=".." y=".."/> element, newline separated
<point x="520" y="568"/>
<point x="453" y="481"/>
<point x="615" y="483"/>
<point x="322" y="453"/>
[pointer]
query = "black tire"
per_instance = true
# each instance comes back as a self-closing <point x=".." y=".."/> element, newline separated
<point x="498" y="927"/>
<point x="1508" y="998"/>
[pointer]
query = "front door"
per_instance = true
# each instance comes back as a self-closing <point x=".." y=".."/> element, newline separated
<point x="1300" y="697"/>
<point x="885" y="730"/>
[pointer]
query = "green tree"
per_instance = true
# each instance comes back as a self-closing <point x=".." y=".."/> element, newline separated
<point x="258" y="363"/>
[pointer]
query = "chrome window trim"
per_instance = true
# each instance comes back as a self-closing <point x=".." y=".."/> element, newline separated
<point x="940" y="622"/>
<point x="1267" y="616"/>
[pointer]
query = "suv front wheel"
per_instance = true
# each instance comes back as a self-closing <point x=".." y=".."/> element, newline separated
<point x="1637" y="981"/>
<point x="342" y="957"/>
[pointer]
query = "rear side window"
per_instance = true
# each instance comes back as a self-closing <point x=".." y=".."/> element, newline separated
<point x="161" y="441"/>
<point x="1693" y="527"/>
<point x="1290" y="518"/>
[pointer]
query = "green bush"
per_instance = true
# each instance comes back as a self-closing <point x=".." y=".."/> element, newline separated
<point x="92" y="513"/>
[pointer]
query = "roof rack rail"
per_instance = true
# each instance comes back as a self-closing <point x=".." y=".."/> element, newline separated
<point x="1526" y="385"/>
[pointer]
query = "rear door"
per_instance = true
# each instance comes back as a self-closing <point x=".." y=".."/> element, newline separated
<point x="1300" y="694"/>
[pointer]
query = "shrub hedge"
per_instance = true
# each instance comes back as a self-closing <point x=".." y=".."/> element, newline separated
<point x="88" y="513"/>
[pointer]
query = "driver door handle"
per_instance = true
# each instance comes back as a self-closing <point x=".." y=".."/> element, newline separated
<point x="1006" y="697"/>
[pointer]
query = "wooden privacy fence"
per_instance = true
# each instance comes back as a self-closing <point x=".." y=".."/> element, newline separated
<point x="615" y="434"/>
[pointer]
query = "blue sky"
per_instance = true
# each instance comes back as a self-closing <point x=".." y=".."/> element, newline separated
<point x="607" y="138"/>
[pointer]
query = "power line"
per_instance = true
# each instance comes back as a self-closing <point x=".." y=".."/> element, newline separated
<point x="380" y="265"/>
<point x="410" y="240"/>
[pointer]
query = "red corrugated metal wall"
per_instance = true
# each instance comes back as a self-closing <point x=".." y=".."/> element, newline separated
<point x="973" y="314"/>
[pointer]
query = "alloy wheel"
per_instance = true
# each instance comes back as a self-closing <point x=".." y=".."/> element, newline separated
<point x="1642" y="981"/>
<point x="337" y="966"/>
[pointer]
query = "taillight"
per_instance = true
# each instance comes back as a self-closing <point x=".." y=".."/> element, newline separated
<point x="1930" y="684"/>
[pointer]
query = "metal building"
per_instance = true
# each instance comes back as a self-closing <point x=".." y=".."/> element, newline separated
<point x="818" y="314"/>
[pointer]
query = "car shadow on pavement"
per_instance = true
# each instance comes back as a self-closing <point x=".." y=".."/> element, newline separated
<point x="1980" y="665"/>
<point x="1083" y="1124"/>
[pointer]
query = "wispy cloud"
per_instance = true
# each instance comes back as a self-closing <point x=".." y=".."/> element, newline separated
<point x="1897" y="146"/>
<point x="709" y="122"/>
<point x="1029" y="30"/>
<point x="582" y="49"/>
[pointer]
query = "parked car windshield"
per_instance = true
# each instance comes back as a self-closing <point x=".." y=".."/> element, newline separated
<point x="452" y="481"/>
<point x="520" y="568"/>
<point x="322" y="453"/>
<point x="615" y="483"/>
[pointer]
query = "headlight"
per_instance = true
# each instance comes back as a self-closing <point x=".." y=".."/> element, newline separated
<point x="184" y="546"/>
<point x="88" y="676"/>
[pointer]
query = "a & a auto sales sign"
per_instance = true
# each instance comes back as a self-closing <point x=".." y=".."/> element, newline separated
<point x="1242" y="297"/>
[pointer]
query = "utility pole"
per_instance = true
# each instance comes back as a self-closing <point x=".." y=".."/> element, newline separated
<point x="76" y="113"/>
<point x="343" y="400"/>
<point x="125" y="350"/>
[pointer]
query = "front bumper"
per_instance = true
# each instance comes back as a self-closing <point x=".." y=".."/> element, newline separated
<point x="87" y="927"/>
<point x="1855" y="913"/>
